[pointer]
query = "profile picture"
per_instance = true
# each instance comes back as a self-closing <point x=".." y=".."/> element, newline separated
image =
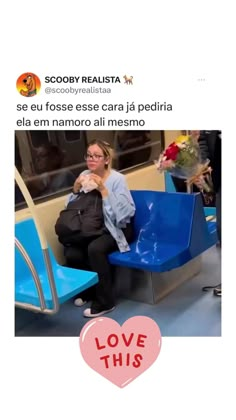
<point x="28" y="84"/>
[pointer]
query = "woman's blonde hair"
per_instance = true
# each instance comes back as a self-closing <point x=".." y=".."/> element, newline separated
<point x="106" y="148"/>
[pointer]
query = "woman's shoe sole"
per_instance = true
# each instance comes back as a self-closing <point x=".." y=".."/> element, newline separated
<point x="87" y="313"/>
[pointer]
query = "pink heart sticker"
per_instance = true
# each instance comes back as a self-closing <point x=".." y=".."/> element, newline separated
<point x="120" y="353"/>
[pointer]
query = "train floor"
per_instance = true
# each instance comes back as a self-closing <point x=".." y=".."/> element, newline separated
<point x="185" y="312"/>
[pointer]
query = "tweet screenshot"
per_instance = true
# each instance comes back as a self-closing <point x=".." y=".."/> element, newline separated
<point x="117" y="268"/>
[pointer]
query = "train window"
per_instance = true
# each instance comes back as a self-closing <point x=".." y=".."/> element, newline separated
<point x="71" y="136"/>
<point x="135" y="148"/>
<point x="39" y="138"/>
<point x="50" y="161"/>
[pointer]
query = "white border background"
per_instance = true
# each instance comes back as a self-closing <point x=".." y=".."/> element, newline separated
<point x="167" y="47"/>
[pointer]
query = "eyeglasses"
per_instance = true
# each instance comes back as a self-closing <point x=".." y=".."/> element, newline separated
<point x="93" y="157"/>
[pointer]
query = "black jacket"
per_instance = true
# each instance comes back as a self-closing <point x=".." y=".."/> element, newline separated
<point x="210" y="146"/>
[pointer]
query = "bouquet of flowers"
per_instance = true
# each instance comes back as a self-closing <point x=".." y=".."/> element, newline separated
<point x="182" y="158"/>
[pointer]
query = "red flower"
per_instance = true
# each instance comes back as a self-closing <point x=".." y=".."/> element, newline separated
<point x="172" y="151"/>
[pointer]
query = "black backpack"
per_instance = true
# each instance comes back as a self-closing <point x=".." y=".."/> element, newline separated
<point x="83" y="218"/>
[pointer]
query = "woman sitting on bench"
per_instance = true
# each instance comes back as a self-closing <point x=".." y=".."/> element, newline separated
<point x="118" y="210"/>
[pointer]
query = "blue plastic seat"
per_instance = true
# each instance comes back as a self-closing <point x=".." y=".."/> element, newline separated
<point x="170" y="230"/>
<point x="209" y="211"/>
<point x="69" y="282"/>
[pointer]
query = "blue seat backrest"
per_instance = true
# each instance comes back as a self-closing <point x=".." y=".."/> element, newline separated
<point x="169" y="185"/>
<point x="25" y="232"/>
<point x="168" y="216"/>
<point x="22" y="270"/>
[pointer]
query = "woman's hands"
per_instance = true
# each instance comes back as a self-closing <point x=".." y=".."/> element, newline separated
<point x="77" y="184"/>
<point x="97" y="179"/>
<point x="100" y="185"/>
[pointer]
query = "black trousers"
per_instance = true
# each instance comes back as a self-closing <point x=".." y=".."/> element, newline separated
<point x="218" y="213"/>
<point x="94" y="256"/>
<point x="208" y="199"/>
<point x="181" y="186"/>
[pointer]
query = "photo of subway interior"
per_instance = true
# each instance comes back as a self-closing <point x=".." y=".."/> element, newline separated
<point x="100" y="230"/>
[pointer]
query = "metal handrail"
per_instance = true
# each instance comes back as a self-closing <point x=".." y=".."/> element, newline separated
<point x="33" y="272"/>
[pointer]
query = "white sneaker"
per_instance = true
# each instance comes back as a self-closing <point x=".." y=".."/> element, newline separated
<point x="88" y="314"/>
<point x="79" y="302"/>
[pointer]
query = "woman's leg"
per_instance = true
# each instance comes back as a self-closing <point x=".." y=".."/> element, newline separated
<point x="77" y="257"/>
<point x="76" y="254"/>
<point x="98" y="252"/>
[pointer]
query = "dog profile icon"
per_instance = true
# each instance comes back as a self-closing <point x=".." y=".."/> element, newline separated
<point x="128" y="80"/>
<point x="30" y="85"/>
